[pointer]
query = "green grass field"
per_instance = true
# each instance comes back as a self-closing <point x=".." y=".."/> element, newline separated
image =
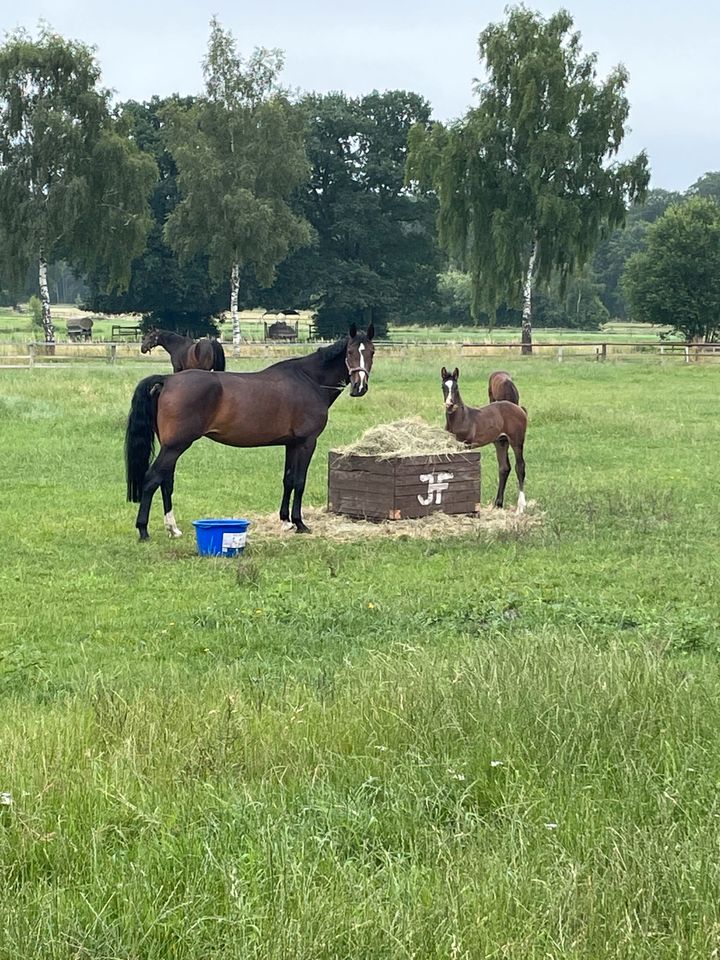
<point x="497" y="747"/>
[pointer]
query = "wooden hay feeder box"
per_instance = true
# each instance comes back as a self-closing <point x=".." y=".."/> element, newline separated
<point x="403" y="488"/>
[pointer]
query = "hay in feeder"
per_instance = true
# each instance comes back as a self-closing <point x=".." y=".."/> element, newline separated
<point x="410" y="437"/>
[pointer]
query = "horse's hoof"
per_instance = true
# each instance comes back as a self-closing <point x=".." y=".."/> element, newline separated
<point x="286" y="525"/>
<point x="498" y="504"/>
<point x="301" y="528"/>
<point x="175" y="534"/>
<point x="144" y="536"/>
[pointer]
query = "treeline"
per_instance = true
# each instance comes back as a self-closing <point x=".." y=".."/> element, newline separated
<point x="359" y="208"/>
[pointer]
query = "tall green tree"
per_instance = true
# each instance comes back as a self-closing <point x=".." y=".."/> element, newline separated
<point x="73" y="186"/>
<point x="375" y="258"/>
<point x="170" y="294"/>
<point x="614" y="251"/>
<point x="526" y="181"/>
<point x="240" y="155"/>
<point x="675" y="280"/>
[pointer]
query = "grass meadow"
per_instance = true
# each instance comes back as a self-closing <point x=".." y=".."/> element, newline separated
<point x="490" y="747"/>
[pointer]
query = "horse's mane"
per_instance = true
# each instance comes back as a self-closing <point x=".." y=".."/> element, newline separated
<point x="335" y="350"/>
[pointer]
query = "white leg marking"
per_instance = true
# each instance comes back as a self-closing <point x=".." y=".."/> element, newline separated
<point x="172" y="528"/>
<point x="521" y="502"/>
<point x="286" y="525"/>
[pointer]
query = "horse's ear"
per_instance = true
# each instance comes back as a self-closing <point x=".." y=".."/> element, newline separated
<point x="353" y="330"/>
<point x="443" y="374"/>
<point x="370" y="331"/>
<point x="456" y="374"/>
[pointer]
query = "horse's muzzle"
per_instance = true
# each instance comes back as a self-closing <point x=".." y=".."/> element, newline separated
<point x="359" y="389"/>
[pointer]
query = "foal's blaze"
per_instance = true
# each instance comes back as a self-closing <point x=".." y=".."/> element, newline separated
<point x="503" y="423"/>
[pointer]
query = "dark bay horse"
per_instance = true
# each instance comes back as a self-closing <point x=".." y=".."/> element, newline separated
<point x="186" y="353"/>
<point x="503" y="423"/>
<point x="286" y="404"/>
<point x="501" y="387"/>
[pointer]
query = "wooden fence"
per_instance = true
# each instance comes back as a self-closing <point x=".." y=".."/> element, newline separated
<point x="39" y="355"/>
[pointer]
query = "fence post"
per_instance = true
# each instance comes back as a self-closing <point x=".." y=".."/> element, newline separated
<point x="687" y="354"/>
<point x="603" y="351"/>
<point x="560" y="354"/>
<point x="31" y="355"/>
<point x="113" y="353"/>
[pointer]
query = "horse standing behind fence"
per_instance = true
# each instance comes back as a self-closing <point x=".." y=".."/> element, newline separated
<point x="286" y="404"/>
<point x="501" y="387"/>
<point x="186" y="353"/>
<point x="503" y="423"/>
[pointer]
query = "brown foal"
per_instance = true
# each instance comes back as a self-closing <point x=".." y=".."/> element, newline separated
<point x="501" y="387"/>
<point x="503" y="423"/>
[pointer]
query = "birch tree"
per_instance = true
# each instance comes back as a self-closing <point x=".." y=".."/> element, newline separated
<point x="72" y="185"/>
<point x="529" y="179"/>
<point x="240" y="155"/>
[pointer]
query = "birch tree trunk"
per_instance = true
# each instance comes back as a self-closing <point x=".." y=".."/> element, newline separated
<point x="527" y="301"/>
<point x="234" y="287"/>
<point x="47" y="323"/>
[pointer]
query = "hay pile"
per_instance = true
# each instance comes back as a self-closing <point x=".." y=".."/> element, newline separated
<point x="487" y="524"/>
<point x="403" y="438"/>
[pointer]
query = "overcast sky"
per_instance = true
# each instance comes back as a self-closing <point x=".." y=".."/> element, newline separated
<point x="427" y="46"/>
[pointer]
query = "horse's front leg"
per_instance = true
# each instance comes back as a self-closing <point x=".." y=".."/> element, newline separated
<point x="288" y="480"/>
<point x="302" y="456"/>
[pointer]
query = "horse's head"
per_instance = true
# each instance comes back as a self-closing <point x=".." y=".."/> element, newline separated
<point x="451" y="394"/>
<point x="149" y="341"/>
<point x="359" y="359"/>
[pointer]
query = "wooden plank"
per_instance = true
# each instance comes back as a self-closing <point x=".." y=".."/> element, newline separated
<point x="360" y="480"/>
<point x="409" y="465"/>
<point x="361" y="464"/>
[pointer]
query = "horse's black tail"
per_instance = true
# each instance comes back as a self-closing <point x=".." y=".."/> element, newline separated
<point x="140" y="434"/>
<point x="219" y="354"/>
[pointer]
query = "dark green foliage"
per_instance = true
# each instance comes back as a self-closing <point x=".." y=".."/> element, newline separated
<point x="675" y="280"/>
<point x="375" y="258"/>
<point x="615" y="250"/>
<point x="73" y="186"/>
<point x="530" y="169"/>
<point x="172" y="295"/>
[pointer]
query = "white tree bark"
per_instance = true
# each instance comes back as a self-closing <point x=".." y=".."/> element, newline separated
<point x="234" y="287"/>
<point x="48" y="327"/>
<point x="527" y="301"/>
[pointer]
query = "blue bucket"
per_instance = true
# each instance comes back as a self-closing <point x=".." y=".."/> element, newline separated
<point x="221" y="537"/>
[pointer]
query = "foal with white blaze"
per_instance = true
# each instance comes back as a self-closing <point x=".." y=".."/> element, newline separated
<point x="502" y="423"/>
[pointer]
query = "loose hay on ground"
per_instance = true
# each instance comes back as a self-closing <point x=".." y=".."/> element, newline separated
<point x="488" y="523"/>
<point x="403" y="438"/>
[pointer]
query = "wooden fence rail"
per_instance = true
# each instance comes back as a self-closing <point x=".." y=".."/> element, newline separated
<point x="39" y="354"/>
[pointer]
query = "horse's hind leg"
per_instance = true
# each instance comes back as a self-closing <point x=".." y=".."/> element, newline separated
<point x="288" y="482"/>
<point x="520" y="471"/>
<point x="167" y="487"/>
<point x="501" y="448"/>
<point x="161" y="474"/>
